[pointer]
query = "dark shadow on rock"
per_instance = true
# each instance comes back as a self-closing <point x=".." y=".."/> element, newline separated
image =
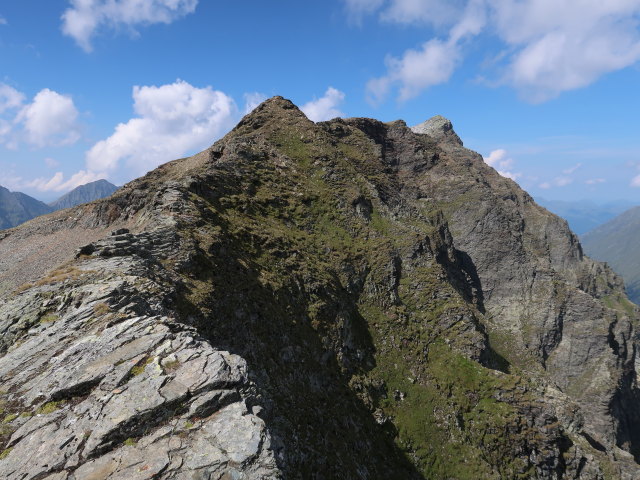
<point x="301" y="366"/>
<point x="628" y="431"/>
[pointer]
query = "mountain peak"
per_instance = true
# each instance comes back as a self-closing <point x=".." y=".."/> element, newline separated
<point x="277" y="110"/>
<point x="438" y="127"/>
<point x="83" y="194"/>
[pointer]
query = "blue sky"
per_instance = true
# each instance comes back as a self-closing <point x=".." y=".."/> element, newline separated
<point x="546" y="90"/>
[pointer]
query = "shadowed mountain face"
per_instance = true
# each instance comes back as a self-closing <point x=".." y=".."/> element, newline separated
<point x="17" y="208"/>
<point x="616" y="242"/>
<point x="347" y="299"/>
<point x="83" y="194"/>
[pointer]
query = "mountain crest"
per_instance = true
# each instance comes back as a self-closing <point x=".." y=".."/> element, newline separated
<point x="438" y="127"/>
<point x="342" y="299"/>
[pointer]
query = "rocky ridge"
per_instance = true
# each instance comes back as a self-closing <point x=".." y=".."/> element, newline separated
<point x="347" y="299"/>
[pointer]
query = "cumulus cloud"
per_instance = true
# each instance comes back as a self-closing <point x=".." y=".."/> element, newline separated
<point x="50" y="119"/>
<point x="548" y="47"/>
<point x="499" y="160"/>
<point x="635" y="182"/>
<point x="252" y="100"/>
<point x="417" y="70"/>
<point x="560" y="46"/>
<point x="434" y="62"/>
<point x="172" y="120"/>
<point x="84" y="18"/>
<point x="10" y="98"/>
<point x="57" y="182"/>
<point x="325" y="107"/>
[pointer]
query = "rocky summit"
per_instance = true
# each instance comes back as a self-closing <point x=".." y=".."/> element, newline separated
<point x="348" y="299"/>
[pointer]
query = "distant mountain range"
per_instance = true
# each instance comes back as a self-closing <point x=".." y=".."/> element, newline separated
<point x="616" y="242"/>
<point x="17" y="207"/>
<point x="585" y="215"/>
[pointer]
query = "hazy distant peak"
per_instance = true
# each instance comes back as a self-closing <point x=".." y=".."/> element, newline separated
<point x="83" y="194"/>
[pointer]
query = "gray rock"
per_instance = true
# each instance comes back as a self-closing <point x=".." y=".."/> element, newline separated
<point x="439" y="128"/>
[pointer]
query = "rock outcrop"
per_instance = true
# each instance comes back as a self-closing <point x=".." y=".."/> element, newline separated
<point x="346" y="299"/>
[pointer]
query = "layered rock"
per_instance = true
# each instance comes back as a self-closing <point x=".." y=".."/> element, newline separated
<point x="347" y="299"/>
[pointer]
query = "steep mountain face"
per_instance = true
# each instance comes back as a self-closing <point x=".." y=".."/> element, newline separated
<point x="83" y="194"/>
<point x="616" y="242"/>
<point x="584" y="216"/>
<point x="17" y="208"/>
<point x="347" y="299"/>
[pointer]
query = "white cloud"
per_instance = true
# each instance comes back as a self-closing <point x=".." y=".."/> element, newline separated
<point x="51" y="119"/>
<point x="564" y="45"/>
<point x="432" y="12"/>
<point x="594" y="181"/>
<point x="252" y="100"/>
<point x="51" y="163"/>
<point x="85" y="17"/>
<point x="356" y="9"/>
<point x="498" y="159"/>
<point x="571" y="170"/>
<point x="435" y="61"/>
<point x="3" y="21"/>
<point x="172" y="120"/>
<point x="435" y="12"/>
<point x="417" y="70"/>
<point x="10" y="98"/>
<point x="561" y="181"/>
<point x="636" y="181"/>
<point x="495" y="156"/>
<point x="57" y="182"/>
<point x="548" y="46"/>
<point x="325" y="107"/>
